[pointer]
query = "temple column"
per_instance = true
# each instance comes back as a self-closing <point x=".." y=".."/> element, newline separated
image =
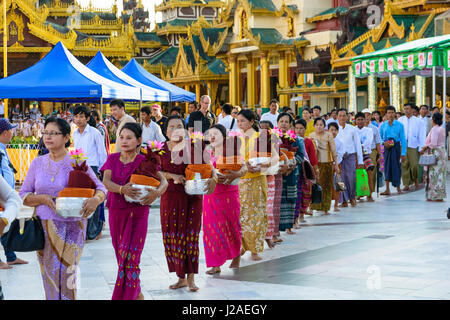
<point x="265" y="80"/>
<point x="396" y="96"/>
<point x="197" y="91"/>
<point x="283" y="76"/>
<point x="372" y="92"/>
<point x="403" y="82"/>
<point x="352" y="94"/>
<point x="419" y="90"/>
<point x="233" y="80"/>
<point x="251" y="89"/>
<point x="186" y="109"/>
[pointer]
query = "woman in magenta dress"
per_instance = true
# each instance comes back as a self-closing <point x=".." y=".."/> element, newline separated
<point x="128" y="221"/>
<point x="181" y="214"/>
<point x="221" y="209"/>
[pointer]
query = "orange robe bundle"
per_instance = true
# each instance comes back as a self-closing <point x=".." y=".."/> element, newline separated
<point x="80" y="184"/>
<point x="147" y="172"/>
<point x="226" y="164"/>
<point x="205" y="171"/>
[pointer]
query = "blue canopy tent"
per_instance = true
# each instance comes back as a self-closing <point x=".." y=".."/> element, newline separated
<point x="102" y="66"/>
<point x="59" y="76"/>
<point x="137" y="72"/>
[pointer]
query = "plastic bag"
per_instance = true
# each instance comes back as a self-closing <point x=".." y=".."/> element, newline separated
<point x="362" y="183"/>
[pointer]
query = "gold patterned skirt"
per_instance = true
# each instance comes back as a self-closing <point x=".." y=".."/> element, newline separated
<point x="253" y="198"/>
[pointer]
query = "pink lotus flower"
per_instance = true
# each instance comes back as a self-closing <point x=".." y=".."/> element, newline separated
<point x="291" y="135"/>
<point x="196" y="135"/>
<point x="276" y="131"/>
<point x="235" y="134"/>
<point x="77" y="155"/>
<point x="156" y="146"/>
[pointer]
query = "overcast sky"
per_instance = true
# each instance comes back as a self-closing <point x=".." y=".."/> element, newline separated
<point x="148" y="4"/>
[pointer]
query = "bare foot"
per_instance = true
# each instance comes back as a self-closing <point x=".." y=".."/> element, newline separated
<point x="277" y="240"/>
<point x="336" y="209"/>
<point x="140" y="296"/>
<point x="180" y="284"/>
<point x="4" y="266"/>
<point x="256" y="257"/>
<point x="353" y="202"/>
<point x="406" y="188"/>
<point x="289" y="231"/>
<point x="326" y="213"/>
<point x="17" y="261"/>
<point x="213" y="270"/>
<point x="309" y="213"/>
<point x="235" y="262"/>
<point x="270" y="243"/>
<point x="99" y="236"/>
<point x="370" y="199"/>
<point x="385" y="193"/>
<point x="344" y="204"/>
<point x="242" y="252"/>
<point x="191" y="283"/>
<point x="296" y="226"/>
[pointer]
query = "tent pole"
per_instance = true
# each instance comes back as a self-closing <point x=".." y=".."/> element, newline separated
<point x="101" y="107"/>
<point x="390" y="89"/>
<point x="444" y="91"/>
<point x="434" y="88"/>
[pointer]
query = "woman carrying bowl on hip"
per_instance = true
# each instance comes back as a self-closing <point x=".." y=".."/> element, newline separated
<point x="128" y="221"/>
<point x="181" y="213"/>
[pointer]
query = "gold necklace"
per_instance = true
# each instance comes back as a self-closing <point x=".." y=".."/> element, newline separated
<point x="132" y="158"/>
<point x="59" y="168"/>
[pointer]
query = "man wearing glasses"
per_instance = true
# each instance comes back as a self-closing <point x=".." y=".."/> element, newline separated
<point x="202" y="119"/>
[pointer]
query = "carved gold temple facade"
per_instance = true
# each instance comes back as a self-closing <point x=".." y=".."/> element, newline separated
<point x="241" y="51"/>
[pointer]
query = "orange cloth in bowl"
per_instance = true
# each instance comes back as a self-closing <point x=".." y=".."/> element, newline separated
<point x="255" y="154"/>
<point x="226" y="164"/>
<point x="204" y="169"/>
<point x="290" y="154"/>
<point x="76" y="193"/>
<point x="282" y="157"/>
<point x="144" y="180"/>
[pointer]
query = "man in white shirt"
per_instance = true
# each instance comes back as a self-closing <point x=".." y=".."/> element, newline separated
<point x="316" y="112"/>
<point x="272" y="115"/>
<point x="415" y="133"/>
<point x="2" y="109"/>
<point x="352" y="158"/>
<point x="366" y="138"/>
<point x="117" y="108"/>
<point x="91" y="141"/>
<point x="426" y="120"/>
<point x="150" y="129"/>
<point x="375" y="148"/>
<point x="333" y="118"/>
<point x="12" y="204"/>
<point x="228" y="121"/>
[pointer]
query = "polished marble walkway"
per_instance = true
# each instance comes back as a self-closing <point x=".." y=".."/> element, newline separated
<point x="395" y="248"/>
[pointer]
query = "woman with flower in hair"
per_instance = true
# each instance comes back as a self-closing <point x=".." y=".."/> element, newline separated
<point x="128" y="221"/>
<point x="293" y="150"/>
<point x="47" y="176"/>
<point x="221" y="209"/>
<point x="181" y="214"/>
<point x="252" y="190"/>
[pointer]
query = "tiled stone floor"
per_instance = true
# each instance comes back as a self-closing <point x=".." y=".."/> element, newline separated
<point x="395" y="248"/>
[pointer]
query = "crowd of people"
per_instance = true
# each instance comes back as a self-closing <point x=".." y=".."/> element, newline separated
<point x="310" y="162"/>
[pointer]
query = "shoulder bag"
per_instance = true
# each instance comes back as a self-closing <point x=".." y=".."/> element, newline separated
<point x="427" y="160"/>
<point x="25" y="234"/>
